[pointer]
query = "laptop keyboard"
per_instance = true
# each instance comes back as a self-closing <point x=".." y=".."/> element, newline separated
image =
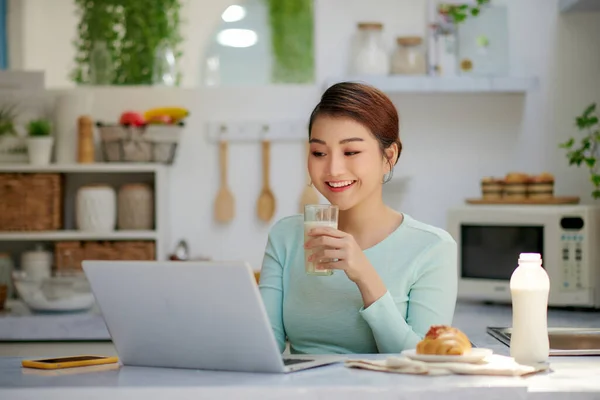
<point x="291" y="361"/>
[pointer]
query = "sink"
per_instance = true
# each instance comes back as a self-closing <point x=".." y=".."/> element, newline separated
<point x="563" y="341"/>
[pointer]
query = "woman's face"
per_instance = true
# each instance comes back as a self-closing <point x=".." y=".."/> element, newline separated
<point x="345" y="162"/>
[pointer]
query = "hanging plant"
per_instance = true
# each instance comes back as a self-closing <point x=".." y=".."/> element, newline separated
<point x="292" y="40"/>
<point x="585" y="150"/>
<point x="131" y="31"/>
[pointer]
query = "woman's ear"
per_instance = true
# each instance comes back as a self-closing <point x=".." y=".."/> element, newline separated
<point x="391" y="155"/>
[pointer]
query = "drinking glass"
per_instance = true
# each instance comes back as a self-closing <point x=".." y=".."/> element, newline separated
<point x="317" y="215"/>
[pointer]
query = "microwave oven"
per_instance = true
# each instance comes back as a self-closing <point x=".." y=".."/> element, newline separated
<point x="491" y="237"/>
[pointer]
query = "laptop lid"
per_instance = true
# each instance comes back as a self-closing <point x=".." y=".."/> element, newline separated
<point x="201" y="315"/>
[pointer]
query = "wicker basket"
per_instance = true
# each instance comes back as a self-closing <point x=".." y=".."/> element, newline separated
<point x="31" y="202"/>
<point x="149" y="143"/>
<point x="69" y="255"/>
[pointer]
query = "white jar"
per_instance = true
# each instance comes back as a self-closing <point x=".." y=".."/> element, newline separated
<point x="369" y="53"/>
<point x="409" y="57"/>
<point x="135" y="207"/>
<point x="37" y="264"/>
<point x="96" y="208"/>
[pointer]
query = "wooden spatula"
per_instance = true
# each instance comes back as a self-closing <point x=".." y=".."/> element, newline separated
<point x="309" y="194"/>
<point x="265" y="206"/>
<point x="224" y="202"/>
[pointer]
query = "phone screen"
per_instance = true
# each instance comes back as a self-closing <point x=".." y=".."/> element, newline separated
<point x="70" y="359"/>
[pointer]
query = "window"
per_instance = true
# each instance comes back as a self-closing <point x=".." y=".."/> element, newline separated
<point x="261" y="42"/>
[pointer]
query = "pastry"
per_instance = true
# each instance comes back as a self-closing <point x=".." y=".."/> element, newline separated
<point x="444" y="340"/>
<point x="515" y="185"/>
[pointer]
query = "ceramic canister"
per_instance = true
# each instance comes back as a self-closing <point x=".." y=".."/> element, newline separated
<point x="96" y="208"/>
<point x="135" y="207"/>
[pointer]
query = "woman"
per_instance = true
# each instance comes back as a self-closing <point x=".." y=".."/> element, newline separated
<point x="395" y="276"/>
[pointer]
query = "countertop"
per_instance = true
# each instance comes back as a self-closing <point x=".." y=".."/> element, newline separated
<point x="18" y="324"/>
<point x="569" y="378"/>
<point x="21" y="325"/>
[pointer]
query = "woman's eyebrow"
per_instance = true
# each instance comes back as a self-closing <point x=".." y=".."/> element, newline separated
<point x="352" y="139"/>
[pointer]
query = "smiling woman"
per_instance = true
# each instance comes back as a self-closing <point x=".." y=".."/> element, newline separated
<point x="395" y="276"/>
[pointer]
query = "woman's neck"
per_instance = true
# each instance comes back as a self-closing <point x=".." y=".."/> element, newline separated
<point x="370" y="221"/>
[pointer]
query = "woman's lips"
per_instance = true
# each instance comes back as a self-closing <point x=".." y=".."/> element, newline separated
<point x="340" y="186"/>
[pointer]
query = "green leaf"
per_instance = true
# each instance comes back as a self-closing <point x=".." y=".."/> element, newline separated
<point x="590" y="109"/>
<point x="475" y="12"/>
<point x="596" y="194"/>
<point x="590" y="162"/>
<point x="595" y="178"/>
<point x="568" y="144"/>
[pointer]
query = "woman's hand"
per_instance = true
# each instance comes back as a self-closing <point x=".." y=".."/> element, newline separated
<point x="333" y="244"/>
<point x="330" y="244"/>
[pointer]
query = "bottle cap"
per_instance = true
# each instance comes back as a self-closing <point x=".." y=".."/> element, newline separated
<point x="530" y="257"/>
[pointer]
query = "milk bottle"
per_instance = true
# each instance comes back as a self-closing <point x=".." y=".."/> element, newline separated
<point x="529" y="287"/>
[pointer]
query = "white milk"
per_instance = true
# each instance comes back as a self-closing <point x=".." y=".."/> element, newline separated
<point x="529" y="287"/>
<point x="309" y="266"/>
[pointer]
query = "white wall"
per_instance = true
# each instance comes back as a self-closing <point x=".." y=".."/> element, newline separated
<point x="450" y="140"/>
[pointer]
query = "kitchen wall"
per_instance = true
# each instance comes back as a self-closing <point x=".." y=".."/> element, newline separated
<point x="450" y="140"/>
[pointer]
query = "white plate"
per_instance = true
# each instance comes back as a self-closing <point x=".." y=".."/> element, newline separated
<point x="476" y="354"/>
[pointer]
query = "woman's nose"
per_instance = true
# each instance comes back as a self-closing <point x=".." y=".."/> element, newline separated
<point x="337" y="165"/>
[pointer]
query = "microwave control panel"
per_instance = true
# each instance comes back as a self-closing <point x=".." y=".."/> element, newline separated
<point x="572" y="260"/>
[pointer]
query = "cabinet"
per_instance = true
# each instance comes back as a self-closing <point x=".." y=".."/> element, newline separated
<point x="78" y="175"/>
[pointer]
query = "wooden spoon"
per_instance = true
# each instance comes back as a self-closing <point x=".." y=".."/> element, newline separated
<point x="265" y="206"/>
<point x="309" y="194"/>
<point x="224" y="202"/>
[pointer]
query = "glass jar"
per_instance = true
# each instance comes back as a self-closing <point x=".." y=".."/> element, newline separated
<point x="409" y="57"/>
<point x="369" y="54"/>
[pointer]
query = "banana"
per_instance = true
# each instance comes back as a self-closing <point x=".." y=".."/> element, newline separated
<point x="176" y="113"/>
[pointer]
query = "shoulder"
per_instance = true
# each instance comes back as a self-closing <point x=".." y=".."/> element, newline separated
<point x="287" y="225"/>
<point x="428" y="234"/>
<point x="287" y="230"/>
<point x="426" y="240"/>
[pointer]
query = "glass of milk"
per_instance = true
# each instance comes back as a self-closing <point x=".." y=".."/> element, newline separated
<point x="316" y="215"/>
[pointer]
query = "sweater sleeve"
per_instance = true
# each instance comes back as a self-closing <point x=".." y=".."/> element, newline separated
<point x="271" y="290"/>
<point x="431" y="301"/>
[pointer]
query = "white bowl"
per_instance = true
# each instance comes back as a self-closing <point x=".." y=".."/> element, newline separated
<point x="62" y="293"/>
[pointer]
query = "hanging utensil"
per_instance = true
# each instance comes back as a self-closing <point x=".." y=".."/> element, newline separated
<point x="309" y="194"/>
<point x="224" y="202"/>
<point x="265" y="206"/>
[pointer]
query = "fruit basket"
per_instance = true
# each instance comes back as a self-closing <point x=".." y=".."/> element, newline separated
<point x="149" y="137"/>
<point x="145" y="143"/>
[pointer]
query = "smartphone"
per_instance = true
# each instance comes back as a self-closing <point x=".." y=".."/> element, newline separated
<point x="68" y="362"/>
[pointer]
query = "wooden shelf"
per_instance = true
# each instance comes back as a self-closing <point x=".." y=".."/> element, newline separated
<point x="572" y="6"/>
<point x="432" y="84"/>
<point x="77" y="235"/>
<point x="84" y="168"/>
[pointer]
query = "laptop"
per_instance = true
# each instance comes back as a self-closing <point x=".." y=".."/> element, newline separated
<point x="198" y="315"/>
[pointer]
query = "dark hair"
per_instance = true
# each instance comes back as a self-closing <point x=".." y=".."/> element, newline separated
<point x="366" y="105"/>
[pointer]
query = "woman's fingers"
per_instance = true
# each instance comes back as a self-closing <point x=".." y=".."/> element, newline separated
<point x="324" y="230"/>
<point x="324" y="241"/>
<point x="326" y="255"/>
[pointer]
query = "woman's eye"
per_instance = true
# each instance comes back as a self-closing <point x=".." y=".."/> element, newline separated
<point x="351" y="153"/>
<point x="318" y="154"/>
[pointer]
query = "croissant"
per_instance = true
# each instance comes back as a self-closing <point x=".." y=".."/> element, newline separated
<point x="444" y="340"/>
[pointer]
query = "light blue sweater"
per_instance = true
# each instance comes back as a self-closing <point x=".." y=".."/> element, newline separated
<point x="325" y="314"/>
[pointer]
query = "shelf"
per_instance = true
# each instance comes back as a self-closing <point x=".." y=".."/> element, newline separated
<point x="432" y="84"/>
<point x="77" y="235"/>
<point x="84" y="168"/>
<point x="572" y="6"/>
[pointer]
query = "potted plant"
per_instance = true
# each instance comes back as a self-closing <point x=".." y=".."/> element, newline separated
<point x="39" y="141"/>
<point x="586" y="151"/>
<point x="13" y="148"/>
